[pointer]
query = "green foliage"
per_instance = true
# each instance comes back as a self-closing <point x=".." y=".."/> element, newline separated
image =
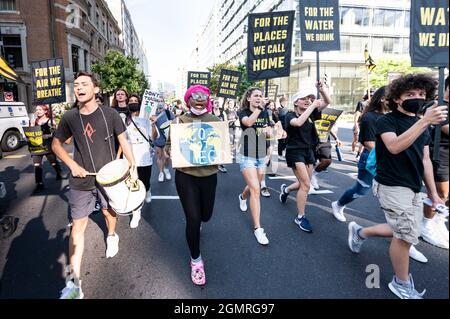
<point x="119" y="71"/>
<point x="380" y="75"/>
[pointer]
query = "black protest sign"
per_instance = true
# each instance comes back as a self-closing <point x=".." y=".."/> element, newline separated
<point x="37" y="145"/>
<point x="49" y="84"/>
<point x="229" y="83"/>
<point x="269" y="45"/>
<point x="320" y="25"/>
<point x="324" y="126"/>
<point x="202" y="78"/>
<point x="272" y="92"/>
<point x="429" y="33"/>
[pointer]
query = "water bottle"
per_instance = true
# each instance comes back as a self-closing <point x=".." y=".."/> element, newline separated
<point x="339" y="153"/>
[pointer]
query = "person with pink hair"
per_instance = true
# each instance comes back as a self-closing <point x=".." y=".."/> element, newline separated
<point x="196" y="186"/>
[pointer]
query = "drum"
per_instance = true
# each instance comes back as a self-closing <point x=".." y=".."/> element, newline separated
<point x="123" y="195"/>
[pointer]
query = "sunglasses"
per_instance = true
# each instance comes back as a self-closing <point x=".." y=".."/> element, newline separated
<point x="199" y="96"/>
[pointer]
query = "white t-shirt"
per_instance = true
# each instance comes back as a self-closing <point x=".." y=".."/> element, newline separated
<point x="141" y="148"/>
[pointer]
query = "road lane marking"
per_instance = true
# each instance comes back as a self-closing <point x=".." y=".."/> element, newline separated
<point x="15" y="156"/>
<point x="165" y="197"/>
<point x="283" y="177"/>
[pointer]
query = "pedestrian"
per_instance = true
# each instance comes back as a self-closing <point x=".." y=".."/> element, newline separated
<point x="403" y="163"/>
<point x="434" y="230"/>
<point x="92" y="129"/>
<point x="196" y="186"/>
<point x="282" y="112"/>
<point x="254" y="122"/>
<point x="163" y="119"/>
<point x="356" y="118"/>
<point x="220" y="113"/>
<point x="302" y="143"/>
<point x="120" y="102"/>
<point x="140" y="133"/>
<point x="233" y="123"/>
<point x="48" y="127"/>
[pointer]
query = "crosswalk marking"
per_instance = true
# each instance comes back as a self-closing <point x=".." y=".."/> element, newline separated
<point x="15" y="156"/>
<point x="165" y="197"/>
<point x="283" y="177"/>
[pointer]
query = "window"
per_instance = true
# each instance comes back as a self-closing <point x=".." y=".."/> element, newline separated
<point x="90" y="10"/>
<point x="7" y="5"/>
<point x="345" y="43"/>
<point x="388" y="18"/>
<point x="86" y="61"/>
<point x="75" y="59"/>
<point x="13" y="50"/>
<point x="388" y="45"/>
<point x="355" y="16"/>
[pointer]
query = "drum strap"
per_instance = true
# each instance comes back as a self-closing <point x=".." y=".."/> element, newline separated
<point x="87" y="142"/>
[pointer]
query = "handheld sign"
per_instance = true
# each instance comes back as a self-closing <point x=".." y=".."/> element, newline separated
<point x="229" y="84"/>
<point x="202" y="78"/>
<point x="429" y="43"/>
<point x="49" y="85"/>
<point x="269" y="45"/>
<point x="200" y="144"/>
<point x="149" y="104"/>
<point x="272" y="92"/>
<point x="324" y="126"/>
<point x="36" y="143"/>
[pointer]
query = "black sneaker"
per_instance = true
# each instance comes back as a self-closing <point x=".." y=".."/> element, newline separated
<point x="283" y="195"/>
<point x="39" y="188"/>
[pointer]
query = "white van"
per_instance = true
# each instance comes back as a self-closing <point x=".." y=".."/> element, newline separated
<point x="13" y="116"/>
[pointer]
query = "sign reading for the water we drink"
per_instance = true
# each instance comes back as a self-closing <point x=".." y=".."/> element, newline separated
<point x="269" y="45"/>
<point x="429" y="33"/>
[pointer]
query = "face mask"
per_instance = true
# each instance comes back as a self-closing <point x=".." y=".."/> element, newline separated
<point x="413" y="105"/>
<point x="198" y="112"/>
<point x="134" y="107"/>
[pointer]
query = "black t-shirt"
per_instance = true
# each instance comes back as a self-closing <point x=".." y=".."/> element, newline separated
<point x="92" y="136"/>
<point x="367" y="131"/>
<point x="305" y="136"/>
<point x="444" y="137"/>
<point x="254" y="143"/>
<point x="405" y="169"/>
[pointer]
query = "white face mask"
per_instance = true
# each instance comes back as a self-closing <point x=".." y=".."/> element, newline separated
<point x="198" y="112"/>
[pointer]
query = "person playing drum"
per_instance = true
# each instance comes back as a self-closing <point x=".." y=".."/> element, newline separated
<point x="93" y="130"/>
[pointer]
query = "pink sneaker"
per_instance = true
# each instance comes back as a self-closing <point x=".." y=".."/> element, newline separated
<point x="198" y="273"/>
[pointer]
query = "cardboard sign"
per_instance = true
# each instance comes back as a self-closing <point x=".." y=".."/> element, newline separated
<point x="324" y="126"/>
<point x="36" y="143"/>
<point x="202" y="78"/>
<point x="320" y="25"/>
<point x="229" y="84"/>
<point x="429" y="45"/>
<point x="149" y="104"/>
<point x="49" y="82"/>
<point x="269" y="45"/>
<point x="200" y="144"/>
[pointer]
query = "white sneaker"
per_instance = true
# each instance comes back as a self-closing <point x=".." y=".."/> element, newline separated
<point x="312" y="190"/>
<point x="440" y="226"/>
<point x="161" y="177"/>
<point x="417" y="255"/>
<point x="242" y="204"/>
<point x="433" y="236"/>
<point x="167" y="173"/>
<point x="338" y="211"/>
<point x="71" y="291"/>
<point x="261" y="236"/>
<point x="148" y="197"/>
<point x="314" y="181"/>
<point x="112" y="246"/>
<point x="135" y="219"/>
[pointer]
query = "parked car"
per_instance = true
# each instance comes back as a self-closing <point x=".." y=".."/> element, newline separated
<point x="13" y="116"/>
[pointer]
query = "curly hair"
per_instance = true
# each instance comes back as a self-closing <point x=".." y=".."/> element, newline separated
<point x="410" y="82"/>
<point x="245" y="104"/>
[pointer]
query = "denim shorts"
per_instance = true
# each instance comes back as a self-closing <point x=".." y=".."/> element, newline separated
<point x="250" y="162"/>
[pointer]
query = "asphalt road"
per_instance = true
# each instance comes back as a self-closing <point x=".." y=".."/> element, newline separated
<point x="153" y="261"/>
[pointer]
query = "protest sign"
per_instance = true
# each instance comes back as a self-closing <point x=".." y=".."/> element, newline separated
<point x="202" y="78"/>
<point x="48" y="80"/>
<point x="229" y="83"/>
<point x="36" y="143"/>
<point x="324" y="126"/>
<point x="149" y="104"/>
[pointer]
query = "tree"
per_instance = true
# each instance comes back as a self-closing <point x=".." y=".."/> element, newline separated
<point x="380" y="75"/>
<point x="245" y="83"/>
<point x="119" y="71"/>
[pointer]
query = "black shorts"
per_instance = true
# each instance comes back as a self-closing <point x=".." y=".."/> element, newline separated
<point x="323" y="151"/>
<point x="440" y="167"/>
<point x="305" y="156"/>
<point x="82" y="203"/>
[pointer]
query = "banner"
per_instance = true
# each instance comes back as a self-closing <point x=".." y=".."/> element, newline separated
<point x="429" y="39"/>
<point x="202" y="78"/>
<point x="324" y="126"/>
<point x="149" y="104"/>
<point x="320" y="25"/>
<point x="200" y="144"/>
<point x="229" y="84"/>
<point x="269" y="45"/>
<point x="36" y="143"/>
<point x="49" y="82"/>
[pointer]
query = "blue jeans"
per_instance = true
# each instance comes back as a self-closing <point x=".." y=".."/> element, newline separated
<point x="362" y="185"/>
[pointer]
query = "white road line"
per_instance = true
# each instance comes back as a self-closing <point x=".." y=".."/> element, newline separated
<point x="283" y="177"/>
<point x="165" y="197"/>
<point x="15" y="156"/>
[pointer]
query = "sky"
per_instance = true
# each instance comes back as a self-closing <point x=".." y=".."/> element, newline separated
<point x="168" y="29"/>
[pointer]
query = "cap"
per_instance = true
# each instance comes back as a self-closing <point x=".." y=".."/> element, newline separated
<point x="304" y="93"/>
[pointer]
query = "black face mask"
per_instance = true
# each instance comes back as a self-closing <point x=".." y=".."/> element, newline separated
<point x="134" y="107"/>
<point x="413" y="105"/>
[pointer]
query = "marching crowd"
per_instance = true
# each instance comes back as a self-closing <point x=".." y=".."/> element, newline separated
<point x="395" y="128"/>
